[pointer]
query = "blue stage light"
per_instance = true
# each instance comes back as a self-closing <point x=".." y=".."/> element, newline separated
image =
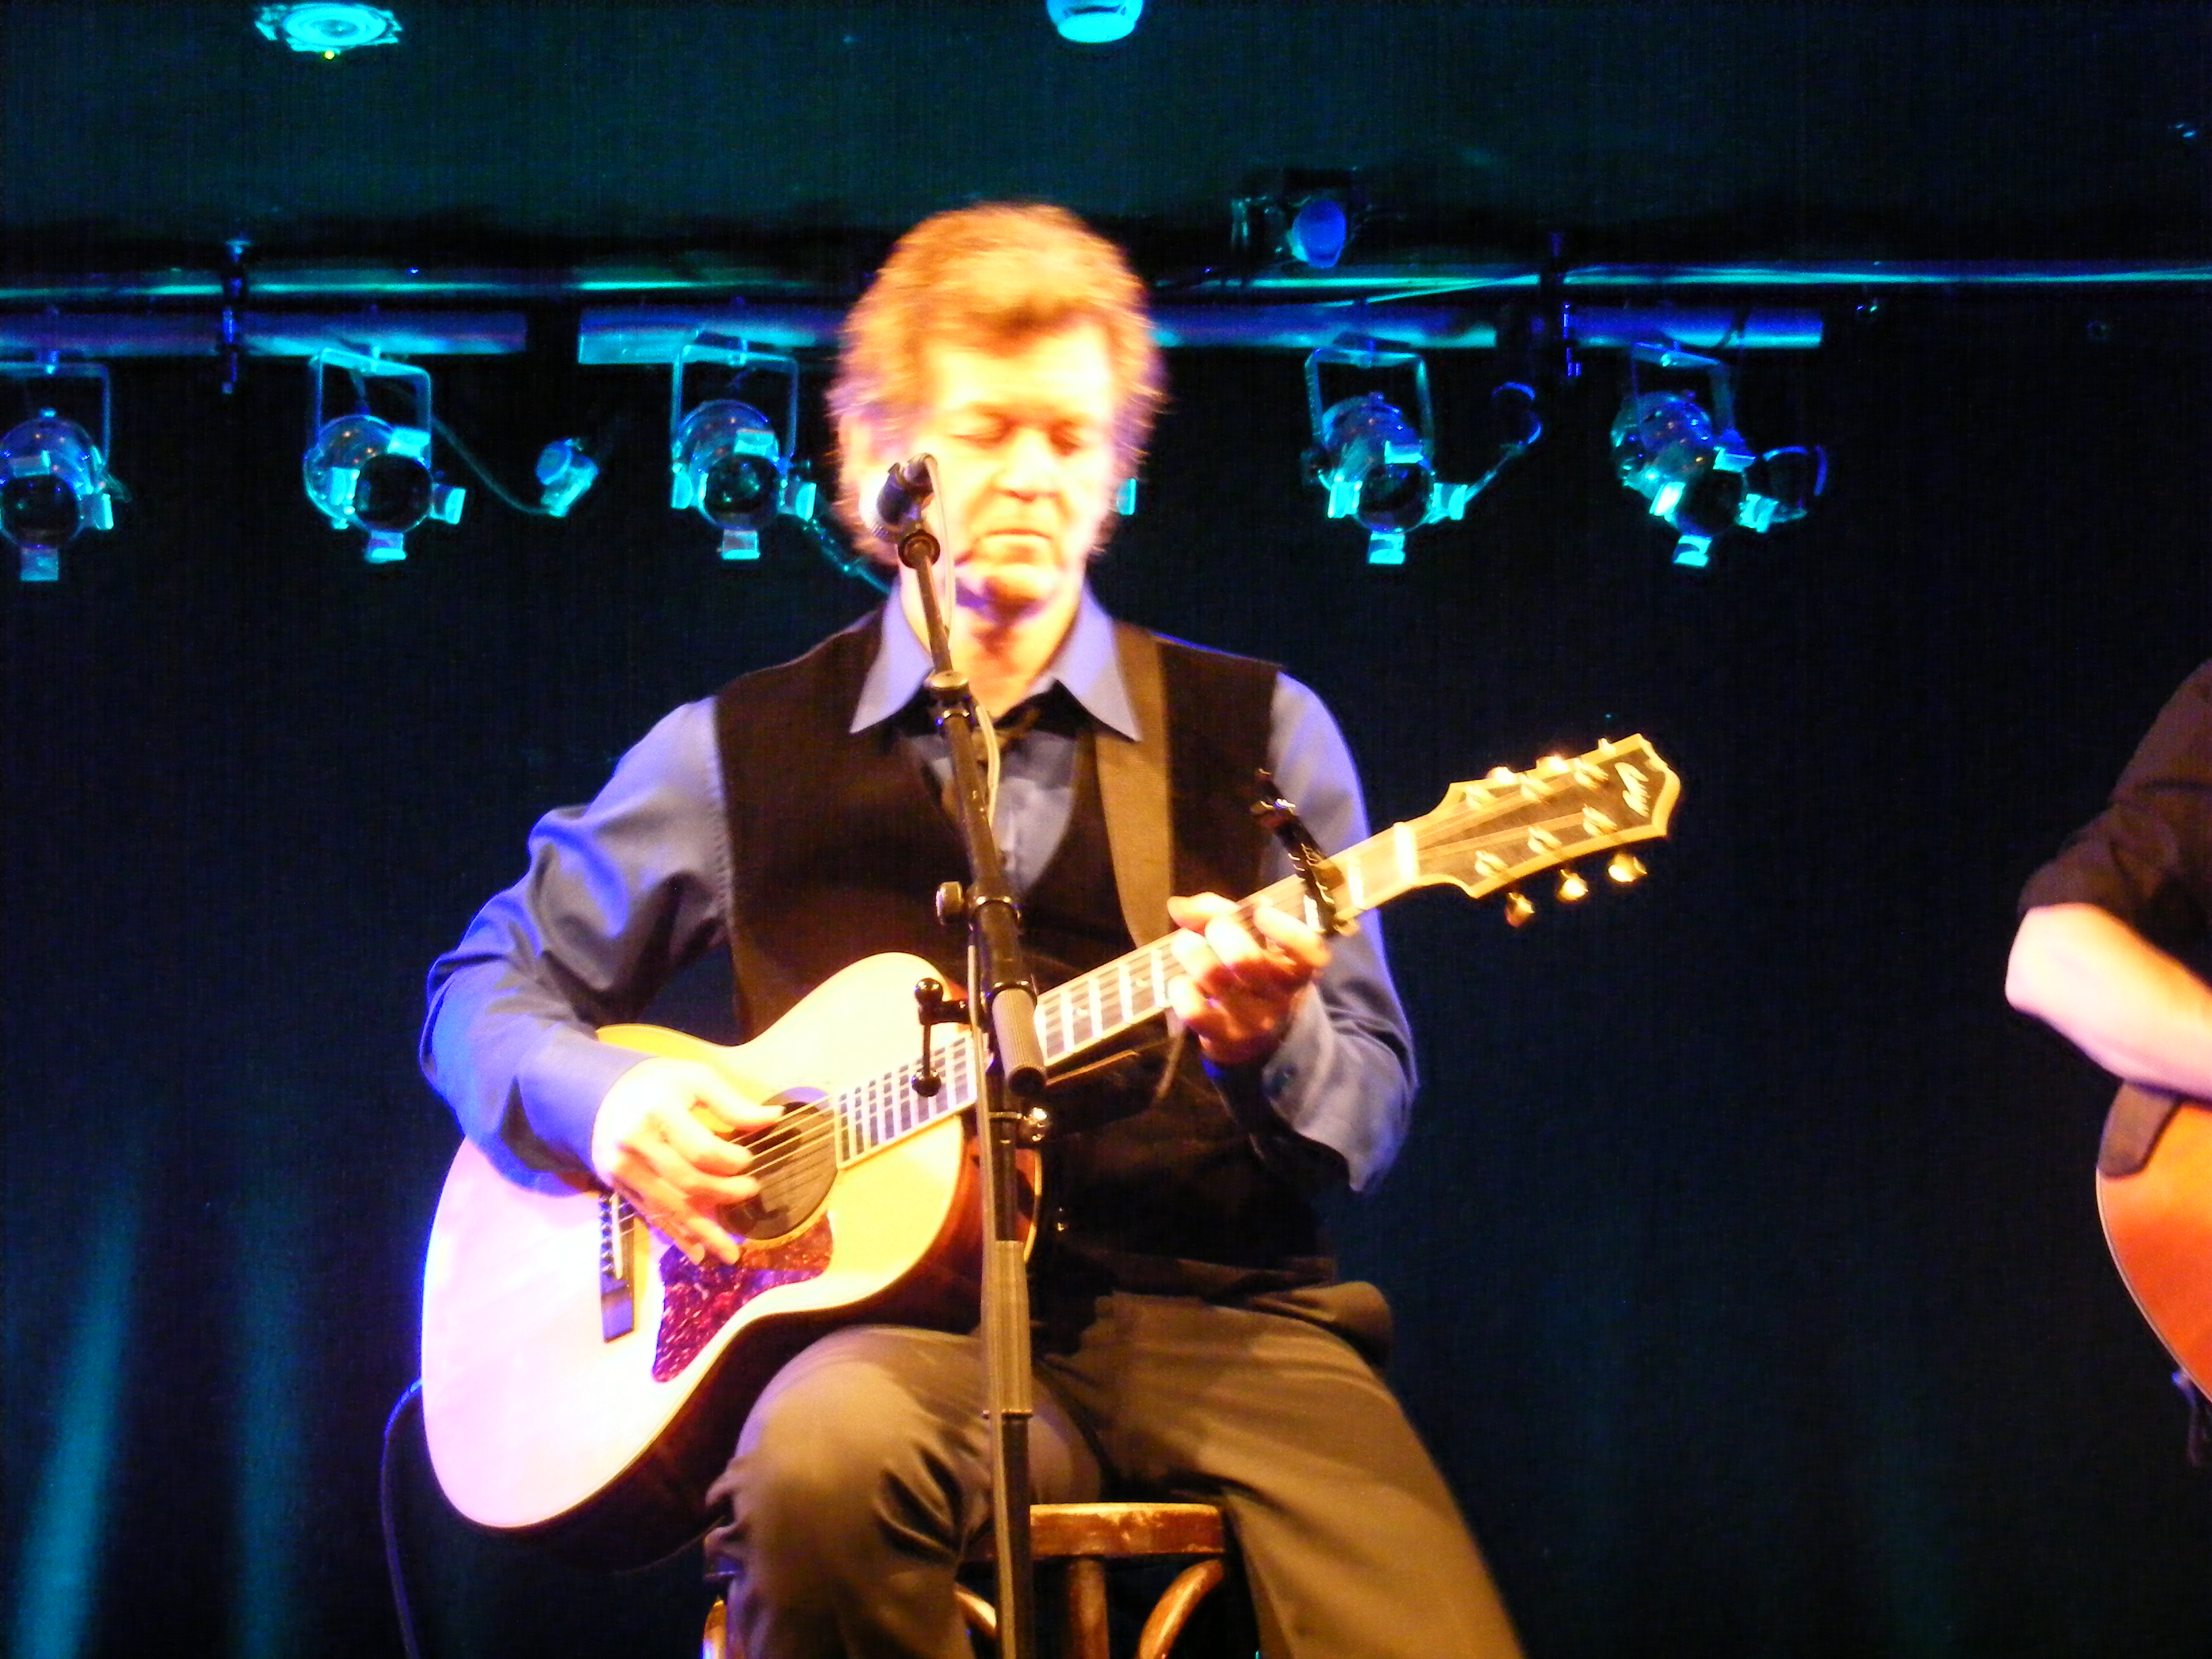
<point x="1318" y="232"/>
<point x="54" y="480"/>
<point x="364" y="472"/>
<point x="726" y="456"/>
<point x="1296" y="217"/>
<point x="1378" y="467"/>
<point x="1694" y="467"/>
<point x="1093" y="22"/>
<point x="1376" y="470"/>
<point x="53" y="483"/>
<point x="327" y="26"/>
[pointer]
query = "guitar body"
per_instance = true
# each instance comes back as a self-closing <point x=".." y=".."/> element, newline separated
<point x="538" y="1423"/>
<point x="2157" y="1222"/>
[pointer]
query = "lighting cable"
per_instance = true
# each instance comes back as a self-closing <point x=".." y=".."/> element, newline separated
<point x="469" y="459"/>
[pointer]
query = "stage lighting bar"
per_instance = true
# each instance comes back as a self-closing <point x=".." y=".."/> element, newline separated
<point x="54" y="480"/>
<point x="642" y="336"/>
<point x="364" y="472"/>
<point x="266" y="333"/>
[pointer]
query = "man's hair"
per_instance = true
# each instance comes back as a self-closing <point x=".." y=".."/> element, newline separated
<point x="991" y="278"/>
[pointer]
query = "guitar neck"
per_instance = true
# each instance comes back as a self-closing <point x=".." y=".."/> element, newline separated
<point x="1081" y="1013"/>
<point x="1485" y="835"/>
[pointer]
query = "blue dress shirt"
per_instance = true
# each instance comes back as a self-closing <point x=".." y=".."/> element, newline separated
<point x="623" y="893"/>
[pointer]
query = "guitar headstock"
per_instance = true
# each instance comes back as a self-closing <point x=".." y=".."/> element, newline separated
<point x="1496" y="832"/>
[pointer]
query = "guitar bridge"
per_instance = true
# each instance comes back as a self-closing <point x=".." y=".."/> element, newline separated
<point x="617" y="1266"/>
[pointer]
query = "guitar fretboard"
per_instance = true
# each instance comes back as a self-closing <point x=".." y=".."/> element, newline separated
<point x="1072" y="1017"/>
<point x="1485" y="835"/>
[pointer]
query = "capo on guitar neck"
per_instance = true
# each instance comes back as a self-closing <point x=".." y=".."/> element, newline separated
<point x="1324" y="882"/>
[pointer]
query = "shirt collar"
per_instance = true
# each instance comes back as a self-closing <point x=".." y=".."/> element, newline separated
<point x="1087" y="664"/>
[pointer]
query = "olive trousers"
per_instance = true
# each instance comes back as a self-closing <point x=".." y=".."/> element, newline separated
<point x="863" y="1474"/>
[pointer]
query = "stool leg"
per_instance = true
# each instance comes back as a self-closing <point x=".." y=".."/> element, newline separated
<point x="1173" y="1610"/>
<point x="1086" y="1608"/>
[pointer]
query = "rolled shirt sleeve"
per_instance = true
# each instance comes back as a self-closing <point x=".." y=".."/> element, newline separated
<point x="2147" y="858"/>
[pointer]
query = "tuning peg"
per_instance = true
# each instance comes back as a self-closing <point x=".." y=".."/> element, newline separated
<point x="1572" y="885"/>
<point x="1624" y="867"/>
<point x="1500" y="775"/>
<point x="1551" y="765"/>
<point x="1518" y="907"/>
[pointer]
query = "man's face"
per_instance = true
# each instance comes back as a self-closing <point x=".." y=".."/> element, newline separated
<point x="1024" y="440"/>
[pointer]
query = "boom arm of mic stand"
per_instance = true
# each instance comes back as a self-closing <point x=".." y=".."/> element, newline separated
<point x="1016" y="1072"/>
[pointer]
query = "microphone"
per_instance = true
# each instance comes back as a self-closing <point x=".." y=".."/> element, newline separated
<point x="907" y="489"/>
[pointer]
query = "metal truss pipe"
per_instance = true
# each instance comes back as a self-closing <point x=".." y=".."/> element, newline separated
<point x="702" y="279"/>
<point x="263" y="334"/>
<point x="650" y="335"/>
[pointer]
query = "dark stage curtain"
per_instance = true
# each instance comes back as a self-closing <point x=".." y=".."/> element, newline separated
<point x="1749" y="1282"/>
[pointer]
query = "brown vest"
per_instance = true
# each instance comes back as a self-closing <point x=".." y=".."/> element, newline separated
<point x="837" y="845"/>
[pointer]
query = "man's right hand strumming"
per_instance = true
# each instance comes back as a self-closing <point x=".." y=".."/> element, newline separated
<point x="659" y="1140"/>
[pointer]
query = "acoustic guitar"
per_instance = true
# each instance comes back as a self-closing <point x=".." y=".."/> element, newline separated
<point x="583" y="1380"/>
<point x="2155" y="1198"/>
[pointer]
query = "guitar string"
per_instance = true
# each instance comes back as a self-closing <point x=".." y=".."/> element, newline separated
<point x="846" y="1108"/>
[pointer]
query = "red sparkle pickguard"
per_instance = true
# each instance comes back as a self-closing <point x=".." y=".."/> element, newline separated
<point x="700" y="1300"/>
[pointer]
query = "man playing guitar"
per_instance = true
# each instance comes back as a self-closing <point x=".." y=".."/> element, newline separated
<point x="2106" y="925"/>
<point x="1194" y="1341"/>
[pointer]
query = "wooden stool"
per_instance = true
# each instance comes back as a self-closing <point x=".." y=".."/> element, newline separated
<point x="1085" y="1537"/>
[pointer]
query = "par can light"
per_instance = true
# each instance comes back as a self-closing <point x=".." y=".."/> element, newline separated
<point x="1378" y="467"/>
<point x="54" y="480"/>
<point x="1694" y="468"/>
<point x="726" y="457"/>
<point x="1375" y="466"/>
<point x="53" y="483"/>
<point x="364" y="472"/>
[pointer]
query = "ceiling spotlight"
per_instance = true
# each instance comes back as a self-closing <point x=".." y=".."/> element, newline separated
<point x="1093" y="22"/>
<point x="726" y="456"/>
<point x="1297" y="215"/>
<point x="327" y="26"/>
<point x="53" y="478"/>
<point x="364" y="472"/>
<point x="1695" y="468"/>
<point x="1379" y="468"/>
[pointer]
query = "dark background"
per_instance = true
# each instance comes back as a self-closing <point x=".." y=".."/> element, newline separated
<point x="1749" y="1280"/>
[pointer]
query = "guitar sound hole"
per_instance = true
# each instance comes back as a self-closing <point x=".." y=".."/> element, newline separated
<point x="795" y="1161"/>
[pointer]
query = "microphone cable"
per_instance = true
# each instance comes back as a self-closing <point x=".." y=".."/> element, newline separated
<point x="412" y="1396"/>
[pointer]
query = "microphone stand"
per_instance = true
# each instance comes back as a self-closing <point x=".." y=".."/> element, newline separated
<point x="1013" y="1077"/>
